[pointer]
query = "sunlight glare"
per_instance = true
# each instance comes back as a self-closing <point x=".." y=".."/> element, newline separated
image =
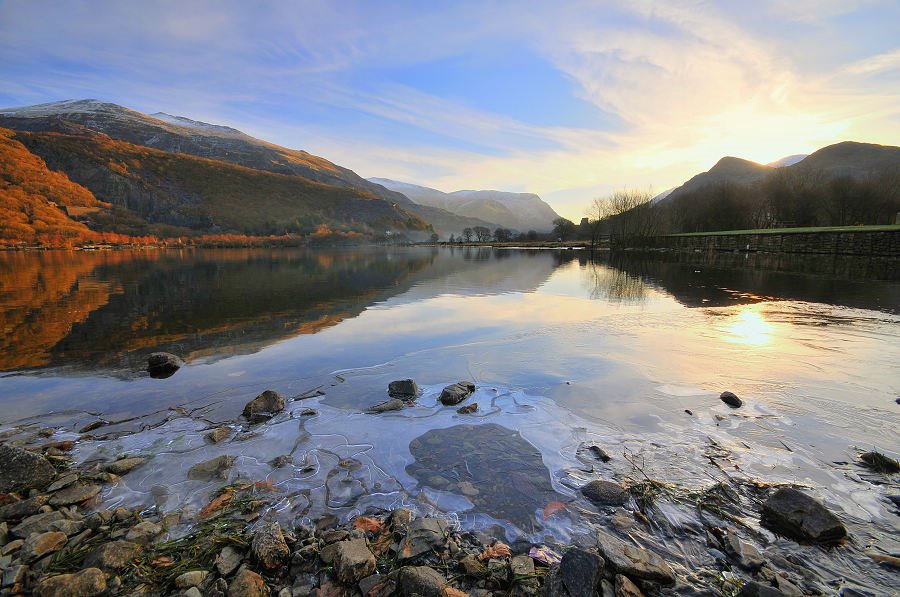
<point x="748" y="327"/>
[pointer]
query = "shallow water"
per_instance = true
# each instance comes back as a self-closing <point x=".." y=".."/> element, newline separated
<point x="566" y="352"/>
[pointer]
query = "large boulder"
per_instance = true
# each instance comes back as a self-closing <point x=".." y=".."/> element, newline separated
<point x="634" y="562"/>
<point x="161" y="365"/>
<point x="403" y="388"/>
<point x="456" y="392"/>
<point x="264" y="407"/>
<point x="794" y="514"/>
<point x="23" y="470"/>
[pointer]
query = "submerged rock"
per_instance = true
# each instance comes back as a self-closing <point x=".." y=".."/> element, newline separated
<point x="161" y="365"/>
<point x="796" y="515"/>
<point x="23" y="469"/>
<point x="457" y="392"/>
<point x="403" y="388"/>
<point x="87" y="583"/>
<point x="634" y="562"/>
<point x="468" y="409"/>
<point x="75" y="493"/>
<point x="124" y="465"/>
<point x="387" y="406"/>
<point x="214" y="468"/>
<point x="731" y="399"/>
<point x="264" y="407"/>
<point x="605" y="493"/>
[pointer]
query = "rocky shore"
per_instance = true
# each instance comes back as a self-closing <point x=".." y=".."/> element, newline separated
<point x="58" y="539"/>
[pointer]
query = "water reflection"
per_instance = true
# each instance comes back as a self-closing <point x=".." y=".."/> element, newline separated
<point x="748" y="326"/>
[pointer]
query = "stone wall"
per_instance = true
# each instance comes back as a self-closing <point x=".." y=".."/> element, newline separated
<point x="884" y="243"/>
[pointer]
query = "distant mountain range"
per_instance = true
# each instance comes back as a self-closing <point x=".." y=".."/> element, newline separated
<point x="517" y="211"/>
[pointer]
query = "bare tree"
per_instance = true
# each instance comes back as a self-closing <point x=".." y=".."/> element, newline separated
<point x="467" y="234"/>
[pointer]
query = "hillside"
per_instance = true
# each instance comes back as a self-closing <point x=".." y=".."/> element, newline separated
<point x="729" y="170"/>
<point x="858" y="160"/>
<point x="517" y="211"/>
<point x="210" y="196"/>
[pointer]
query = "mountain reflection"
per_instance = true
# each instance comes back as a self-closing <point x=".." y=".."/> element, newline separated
<point x="107" y="310"/>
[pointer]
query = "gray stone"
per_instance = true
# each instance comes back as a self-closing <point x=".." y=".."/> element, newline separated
<point x="23" y="508"/>
<point x="218" y="434"/>
<point x="228" y="560"/>
<point x="62" y="482"/>
<point x="403" y="388"/>
<point x="731" y="399"/>
<point x="12" y="547"/>
<point x="626" y="588"/>
<point x="423" y="536"/>
<point x="4" y="533"/>
<point x="580" y="571"/>
<point x="69" y="527"/>
<point x="457" y="392"/>
<point x="796" y="515"/>
<point x="269" y="547"/>
<point x="193" y="592"/>
<point x="247" y="583"/>
<point x="163" y="364"/>
<point x="421" y="580"/>
<point x="23" y="470"/>
<point x="14" y="575"/>
<point x="747" y="556"/>
<point x="607" y="589"/>
<point x="634" y="562"/>
<point x="39" y="523"/>
<point x="605" y="493"/>
<point x="282" y="461"/>
<point x="114" y="555"/>
<point x="143" y="532"/>
<point x="75" y="493"/>
<point x="213" y="469"/>
<point x="264" y="407"/>
<point x="124" y="465"/>
<point x="353" y="561"/>
<point x="389" y="405"/>
<point x="95" y="424"/>
<point x="37" y="546"/>
<point x="191" y="579"/>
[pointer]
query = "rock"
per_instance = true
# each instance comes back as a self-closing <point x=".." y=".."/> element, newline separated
<point x="308" y="412"/>
<point x="193" y="592"/>
<point x="607" y="589"/>
<point x="755" y="589"/>
<point x="86" y="583"/>
<point x="599" y="453"/>
<point x="11" y="547"/>
<point x="23" y="470"/>
<point x="353" y="561"/>
<point x="191" y="579"/>
<point x="456" y="393"/>
<point x="114" y="555"/>
<point x="731" y="399"/>
<point x="880" y="463"/>
<point x="218" y="434"/>
<point x="747" y="556"/>
<point x="796" y="515"/>
<point x="143" y="532"/>
<point x="420" y="580"/>
<point x="389" y="405"/>
<point x="161" y="365"/>
<point x="228" y="560"/>
<point x="62" y="482"/>
<point x="634" y="562"/>
<point x="247" y="584"/>
<point x="424" y="535"/>
<point x="69" y="527"/>
<point x="75" y="493"/>
<point x="282" y="461"/>
<point x="214" y="468"/>
<point x="95" y="424"/>
<point x="39" y="523"/>
<point x="468" y="409"/>
<point x="37" y="546"/>
<point x="4" y="534"/>
<point x="269" y="547"/>
<point x="886" y="560"/>
<point x="124" y="465"/>
<point x="403" y="388"/>
<point x="13" y="575"/>
<point x="264" y="407"/>
<point x="580" y="571"/>
<point x="626" y="588"/>
<point x="605" y="493"/>
<point x="23" y="508"/>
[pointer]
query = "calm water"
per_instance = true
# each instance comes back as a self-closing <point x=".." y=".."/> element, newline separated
<point x="565" y="351"/>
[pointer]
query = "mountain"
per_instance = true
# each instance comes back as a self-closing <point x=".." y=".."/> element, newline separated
<point x="518" y="211"/>
<point x="727" y="170"/>
<point x="169" y="175"/>
<point x="849" y="158"/>
<point x="787" y="160"/>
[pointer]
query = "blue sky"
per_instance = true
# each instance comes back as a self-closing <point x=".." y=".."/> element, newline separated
<point x="567" y="99"/>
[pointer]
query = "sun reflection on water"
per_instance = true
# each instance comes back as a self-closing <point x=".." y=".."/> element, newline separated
<point x="748" y="327"/>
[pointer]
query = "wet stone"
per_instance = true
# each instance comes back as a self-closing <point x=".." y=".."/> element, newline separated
<point x="228" y="560"/>
<point x="403" y="388"/>
<point x="161" y="365"/>
<point x="605" y="493"/>
<point x="746" y="555"/>
<point x="730" y="399"/>
<point x="269" y="547"/>
<point x="23" y="469"/>
<point x="424" y="535"/>
<point x="247" y="583"/>
<point x="626" y="588"/>
<point x="282" y="461"/>
<point x="144" y="532"/>
<point x="353" y="561"/>
<point x="634" y="562"/>
<point x="456" y="393"/>
<point x="387" y="406"/>
<point x="421" y="580"/>
<point x="218" y="434"/>
<point x="114" y="555"/>
<point x="213" y="469"/>
<point x="794" y="514"/>
<point x="468" y="409"/>
<point x="23" y="508"/>
<point x="62" y="482"/>
<point x="124" y="465"/>
<point x="264" y="407"/>
<point x="75" y="493"/>
<point x="580" y="571"/>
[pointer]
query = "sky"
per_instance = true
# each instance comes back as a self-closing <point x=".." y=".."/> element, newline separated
<point x="568" y="99"/>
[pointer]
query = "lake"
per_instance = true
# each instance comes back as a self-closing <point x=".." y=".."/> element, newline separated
<point x="625" y="352"/>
